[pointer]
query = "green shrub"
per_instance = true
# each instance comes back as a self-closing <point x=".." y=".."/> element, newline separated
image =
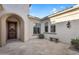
<point x="75" y="43"/>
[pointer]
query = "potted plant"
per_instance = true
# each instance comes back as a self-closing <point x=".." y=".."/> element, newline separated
<point x="51" y="39"/>
<point x="56" y="40"/>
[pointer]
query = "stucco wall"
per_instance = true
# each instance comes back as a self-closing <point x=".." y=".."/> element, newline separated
<point x="62" y="32"/>
<point x="72" y="15"/>
<point x="32" y="24"/>
<point x="21" y="10"/>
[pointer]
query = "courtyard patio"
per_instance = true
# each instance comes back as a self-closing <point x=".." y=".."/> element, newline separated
<point x="37" y="47"/>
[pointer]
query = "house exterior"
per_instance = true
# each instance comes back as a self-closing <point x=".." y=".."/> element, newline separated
<point x="14" y="22"/>
<point x="63" y="25"/>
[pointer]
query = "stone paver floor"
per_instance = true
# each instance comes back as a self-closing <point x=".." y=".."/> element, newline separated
<point x="36" y="47"/>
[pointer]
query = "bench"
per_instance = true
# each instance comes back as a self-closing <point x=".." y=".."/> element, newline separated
<point x="54" y="39"/>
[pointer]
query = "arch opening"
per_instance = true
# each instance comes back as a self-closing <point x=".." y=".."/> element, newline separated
<point x="12" y="28"/>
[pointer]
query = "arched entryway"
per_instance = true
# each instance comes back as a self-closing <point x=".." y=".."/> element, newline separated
<point x="12" y="28"/>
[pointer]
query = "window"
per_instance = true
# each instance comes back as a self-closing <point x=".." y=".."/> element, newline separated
<point x="53" y="28"/>
<point x="36" y="29"/>
<point x="46" y="27"/>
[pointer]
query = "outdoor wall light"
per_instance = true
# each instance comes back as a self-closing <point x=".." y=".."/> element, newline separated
<point x="68" y="24"/>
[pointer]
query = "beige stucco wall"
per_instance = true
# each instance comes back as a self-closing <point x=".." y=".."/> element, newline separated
<point x="21" y="10"/>
<point x="62" y="32"/>
<point x="71" y="15"/>
<point x="33" y="21"/>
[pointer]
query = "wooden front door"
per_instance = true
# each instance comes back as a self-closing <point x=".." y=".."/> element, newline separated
<point x="12" y="30"/>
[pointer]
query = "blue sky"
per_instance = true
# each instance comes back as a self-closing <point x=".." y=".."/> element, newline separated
<point x="42" y="10"/>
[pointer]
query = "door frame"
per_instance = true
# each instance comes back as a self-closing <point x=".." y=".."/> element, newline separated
<point x="8" y="22"/>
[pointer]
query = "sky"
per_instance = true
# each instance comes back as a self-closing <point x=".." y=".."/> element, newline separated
<point x="42" y="10"/>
